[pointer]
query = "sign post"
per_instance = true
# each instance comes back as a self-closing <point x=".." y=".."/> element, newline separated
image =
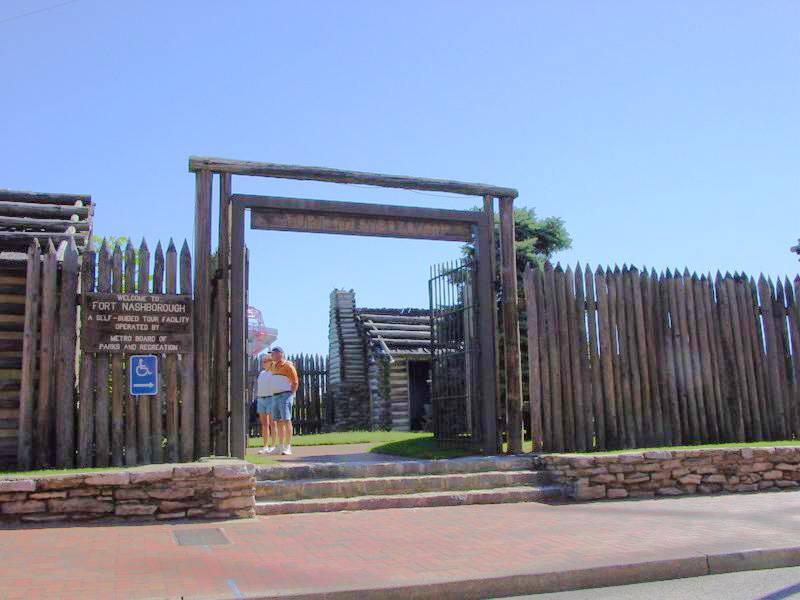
<point x="143" y="374"/>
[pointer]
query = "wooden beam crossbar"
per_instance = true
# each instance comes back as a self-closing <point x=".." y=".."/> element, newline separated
<point x="262" y="169"/>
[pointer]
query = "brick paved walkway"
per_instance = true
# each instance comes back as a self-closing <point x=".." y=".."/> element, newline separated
<point x="295" y="553"/>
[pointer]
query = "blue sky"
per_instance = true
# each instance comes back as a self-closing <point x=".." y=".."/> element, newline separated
<point x="664" y="134"/>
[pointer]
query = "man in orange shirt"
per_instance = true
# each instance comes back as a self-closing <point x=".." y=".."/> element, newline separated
<point x="284" y="386"/>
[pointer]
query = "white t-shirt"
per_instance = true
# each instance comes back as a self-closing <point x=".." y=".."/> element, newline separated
<point x="264" y="384"/>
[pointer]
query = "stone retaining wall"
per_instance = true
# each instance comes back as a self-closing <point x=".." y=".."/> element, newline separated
<point x="216" y="489"/>
<point x="675" y="472"/>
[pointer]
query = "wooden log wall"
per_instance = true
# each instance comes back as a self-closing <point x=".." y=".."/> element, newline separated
<point x="627" y="358"/>
<point x="91" y="420"/>
<point x="17" y="376"/>
<point x="28" y="216"/>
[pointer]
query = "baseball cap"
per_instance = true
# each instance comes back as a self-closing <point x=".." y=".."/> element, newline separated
<point x="277" y="349"/>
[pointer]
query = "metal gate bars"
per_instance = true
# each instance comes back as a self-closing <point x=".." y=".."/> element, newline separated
<point x="454" y="371"/>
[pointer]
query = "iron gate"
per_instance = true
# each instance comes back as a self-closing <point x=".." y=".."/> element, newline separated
<point x="454" y="370"/>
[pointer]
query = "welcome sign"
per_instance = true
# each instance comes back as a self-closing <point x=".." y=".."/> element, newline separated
<point x="136" y="323"/>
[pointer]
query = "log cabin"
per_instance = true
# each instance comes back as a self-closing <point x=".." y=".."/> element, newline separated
<point x="380" y="364"/>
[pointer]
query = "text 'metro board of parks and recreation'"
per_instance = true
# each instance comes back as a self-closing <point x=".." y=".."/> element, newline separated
<point x="136" y="323"/>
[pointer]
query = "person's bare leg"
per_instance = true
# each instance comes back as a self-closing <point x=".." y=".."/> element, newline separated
<point x="265" y="423"/>
<point x="270" y="430"/>
<point x="288" y="425"/>
<point x="273" y="428"/>
<point x="285" y="432"/>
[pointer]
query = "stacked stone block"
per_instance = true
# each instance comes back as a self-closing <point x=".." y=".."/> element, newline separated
<point x="675" y="472"/>
<point x="197" y="490"/>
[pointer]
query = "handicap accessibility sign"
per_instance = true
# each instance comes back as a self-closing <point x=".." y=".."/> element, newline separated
<point x="143" y="374"/>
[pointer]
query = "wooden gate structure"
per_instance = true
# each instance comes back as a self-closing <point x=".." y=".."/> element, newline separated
<point x="348" y="218"/>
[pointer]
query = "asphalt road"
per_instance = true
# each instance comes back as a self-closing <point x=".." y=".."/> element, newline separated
<point x="770" y="584"/>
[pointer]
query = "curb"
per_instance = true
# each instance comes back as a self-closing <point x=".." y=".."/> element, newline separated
<point x="559" y="581"/>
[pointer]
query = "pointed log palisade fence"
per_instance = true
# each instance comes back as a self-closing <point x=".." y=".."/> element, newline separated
<point x="309" y="404"/>
<point x="625" y="358"/>
<point x="85" y="416"/>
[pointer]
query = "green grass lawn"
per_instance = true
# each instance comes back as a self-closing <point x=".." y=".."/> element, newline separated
<point x="345" y="437"/>
<point x="260" y="459"/>
<point x="423" y="446"/>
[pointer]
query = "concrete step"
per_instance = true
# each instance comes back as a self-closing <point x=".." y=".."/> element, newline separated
<point x="307" y="489"/>
<point x="469" y="464"/>
<point x="538" y="493"/>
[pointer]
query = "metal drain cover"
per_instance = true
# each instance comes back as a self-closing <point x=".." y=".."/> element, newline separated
<point x="200" y="537"/>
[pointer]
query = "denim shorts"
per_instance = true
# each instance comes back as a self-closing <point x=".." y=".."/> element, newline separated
<point x="264" y="405"/>
<point x="282" y="406"/>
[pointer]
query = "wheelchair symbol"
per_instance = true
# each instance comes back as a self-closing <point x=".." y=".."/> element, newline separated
<point x="141" y="368"/>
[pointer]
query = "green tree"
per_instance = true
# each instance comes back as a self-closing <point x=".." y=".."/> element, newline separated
<point x="535" y="239"/>
<point x="114" y="241"/>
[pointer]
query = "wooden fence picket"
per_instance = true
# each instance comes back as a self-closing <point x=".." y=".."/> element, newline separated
<point x="599" y="421"/>
<point x="794" y="335"/>
<point x="187" y="415"/>
<point x="157" y="400"/>
<point x="606" y="349"/>
<point x="118" y="407"/>
<point x="48" y="358"/>
<point x="534" y="361"/>
<point x="102" y="414"/>
<point x="172" y="407"/>
<point x="574" y="315"/>
<point x="65" y="375"/>
<point x="564" y="321"/>
<point x="545" y="335"/>
<point x="30" y="336"/>
<point x="554" y="350"/>
<point x="86" y="409"/>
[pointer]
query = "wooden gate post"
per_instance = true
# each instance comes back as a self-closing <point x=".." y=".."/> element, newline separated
<point x="238" y="437"/>
<point x="223" y="310"/>
<point x="202" y="311"/>
<point x="511" y="326"/>
<point x="487" y="331"/>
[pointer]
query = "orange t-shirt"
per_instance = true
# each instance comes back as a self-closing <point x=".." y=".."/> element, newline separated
<point x="285" y="376"/>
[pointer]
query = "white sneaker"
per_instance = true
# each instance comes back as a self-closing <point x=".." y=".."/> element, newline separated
<point x="287" y="449"/>
<point x="267" y="450"/>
